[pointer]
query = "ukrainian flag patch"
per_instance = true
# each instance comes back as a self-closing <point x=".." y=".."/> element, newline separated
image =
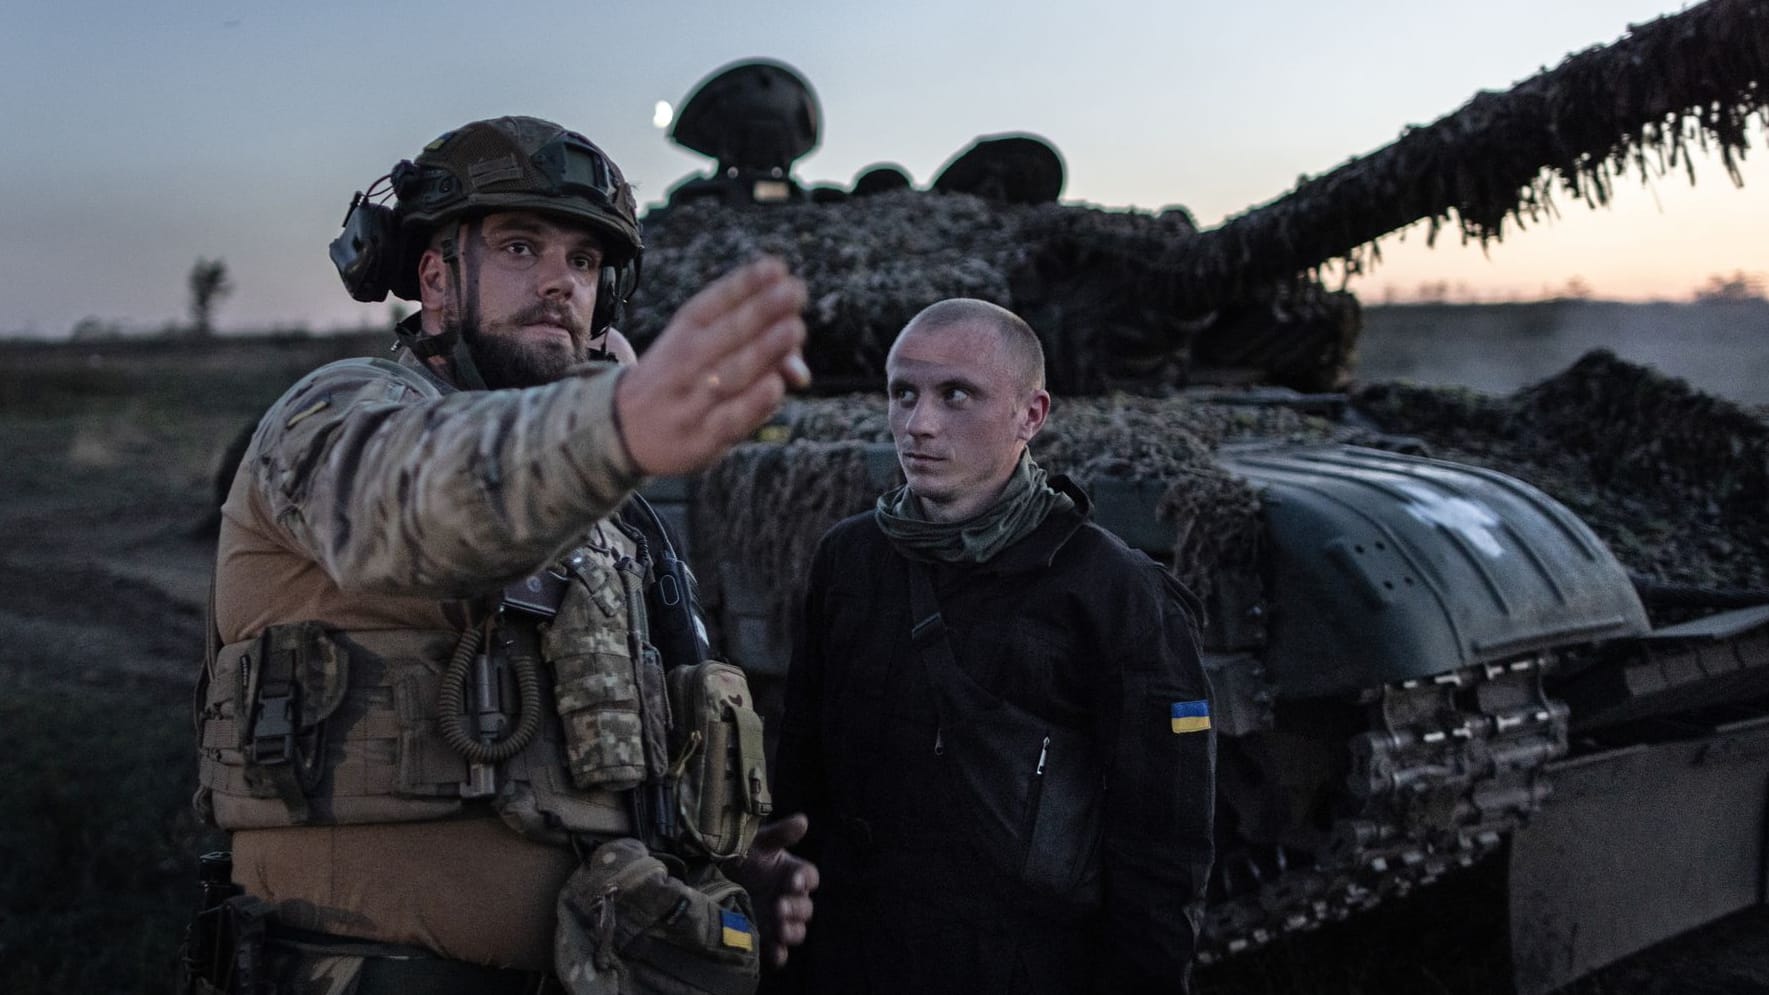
<point x="735" y="930"/>
<point x="1191" y="716"/>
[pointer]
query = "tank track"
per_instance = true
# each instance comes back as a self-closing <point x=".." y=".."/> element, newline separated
<point x="1449" y="767"/>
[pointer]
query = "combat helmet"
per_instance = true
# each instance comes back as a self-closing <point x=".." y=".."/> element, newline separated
<point x="500" y="164"/>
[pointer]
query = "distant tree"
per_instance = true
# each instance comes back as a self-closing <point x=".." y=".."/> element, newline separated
<point x="208" y="285"/>
<point x="92" y="328"/>
<point x="1740" y="286"/>
<point x="1577" y="289"/>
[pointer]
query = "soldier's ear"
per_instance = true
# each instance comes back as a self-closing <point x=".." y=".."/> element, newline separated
<point x="1032" y="414"/>
<point x="433" y="279"/>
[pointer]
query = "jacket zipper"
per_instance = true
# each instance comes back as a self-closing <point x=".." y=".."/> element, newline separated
<point x="1034" y="796"/>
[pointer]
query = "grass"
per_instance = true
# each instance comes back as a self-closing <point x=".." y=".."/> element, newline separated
<point x="99" y="833"/>
<point x="110" y="451"/>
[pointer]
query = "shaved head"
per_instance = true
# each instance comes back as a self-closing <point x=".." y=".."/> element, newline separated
<point x="1025" y="351"/>
<point x="965" y="381"/>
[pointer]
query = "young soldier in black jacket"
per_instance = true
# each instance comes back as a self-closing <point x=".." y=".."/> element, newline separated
<point x="996" y="717"/>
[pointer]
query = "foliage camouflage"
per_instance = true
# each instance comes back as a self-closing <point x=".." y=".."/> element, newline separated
<point x="1580" y="126"/>
<point x="871" y="263"/>
<point x="1125" y="299"/>
<point x="1672" y="479"/>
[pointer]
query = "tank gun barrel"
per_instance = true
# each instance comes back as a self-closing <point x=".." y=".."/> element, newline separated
<point x="1130" y="300"/>
<point x="1696" y="77"/>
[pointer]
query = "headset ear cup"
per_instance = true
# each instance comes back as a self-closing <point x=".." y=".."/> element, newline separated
<point x="402" y="271"/>
<point x="367" y="252"/>
<point x="612" y="290"/>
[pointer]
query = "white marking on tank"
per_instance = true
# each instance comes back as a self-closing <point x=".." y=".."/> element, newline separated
<point x="1471" y="520"/>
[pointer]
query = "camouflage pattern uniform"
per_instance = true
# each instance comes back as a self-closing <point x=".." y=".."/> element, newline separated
<point x="375" y="498"/>
<point x="434" y="713"/>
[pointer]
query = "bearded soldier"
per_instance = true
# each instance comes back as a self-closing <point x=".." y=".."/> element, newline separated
<point x="456" y="713"/>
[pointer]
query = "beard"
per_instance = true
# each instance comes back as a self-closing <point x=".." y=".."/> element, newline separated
<point x="507" y="359"/>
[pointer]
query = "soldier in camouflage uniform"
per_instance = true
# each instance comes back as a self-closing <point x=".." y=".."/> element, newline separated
<point x="432" y="704"/>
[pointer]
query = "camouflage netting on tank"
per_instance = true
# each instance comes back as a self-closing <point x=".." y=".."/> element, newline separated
<point x="1119" y="297"/>
<point x="762" y="509"/>
<point x="1696" y="78"/>
<point x="768" y="504"/>
<point x="1675" y="481"/>
<point x="871" y="263"/>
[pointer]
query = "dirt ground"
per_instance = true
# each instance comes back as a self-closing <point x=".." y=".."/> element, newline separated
<point x="107" y="453"/>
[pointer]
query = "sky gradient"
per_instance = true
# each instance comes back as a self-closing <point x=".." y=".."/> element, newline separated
<point x="140" y="136"/>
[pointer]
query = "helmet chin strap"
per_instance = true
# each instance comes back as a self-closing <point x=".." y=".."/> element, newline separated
<point x="600" y="353"/>
<point x="464" y="273"/>
<point x="450" y="339"/>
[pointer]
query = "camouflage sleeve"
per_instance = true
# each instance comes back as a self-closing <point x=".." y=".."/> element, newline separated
<point x="392" y="488"/>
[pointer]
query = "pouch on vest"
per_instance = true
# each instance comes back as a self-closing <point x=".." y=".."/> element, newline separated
<point x="594" y="682"/>
<point x="285" y="687"/>
<point x="627" y="927"/>
<point x="720" y="772"/>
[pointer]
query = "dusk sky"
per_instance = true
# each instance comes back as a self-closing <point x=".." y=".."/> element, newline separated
<point x="140" y="136"/>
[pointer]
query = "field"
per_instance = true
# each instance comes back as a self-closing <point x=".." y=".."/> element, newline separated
<point x="105" y="515"/>
<point x="105" y="501"/>
<point x="1721" y="347"/>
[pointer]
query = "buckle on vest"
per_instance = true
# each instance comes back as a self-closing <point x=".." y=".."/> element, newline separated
<point x="275" y="716"/>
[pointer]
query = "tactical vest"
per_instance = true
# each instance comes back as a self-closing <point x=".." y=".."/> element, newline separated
<point x="305" y="725"/>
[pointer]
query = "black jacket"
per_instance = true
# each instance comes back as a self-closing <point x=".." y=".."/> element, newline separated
<point x="1070" y="625"/>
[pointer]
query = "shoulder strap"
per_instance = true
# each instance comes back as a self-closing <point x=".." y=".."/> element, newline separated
<point x="927" y="629"/>
<point x="956" y="694"/>
<point x="673" y="596"/>
<point x="933" y="644"/>
<point x="211" y="650"/>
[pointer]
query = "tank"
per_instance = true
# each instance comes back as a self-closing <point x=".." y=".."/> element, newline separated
<point x="1441" y="628"/>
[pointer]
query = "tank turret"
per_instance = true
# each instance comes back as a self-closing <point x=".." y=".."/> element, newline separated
<point x="1131" y="300"/>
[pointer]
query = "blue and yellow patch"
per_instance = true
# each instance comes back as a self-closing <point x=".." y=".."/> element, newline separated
<point x="1191" y="716"/>
<point x="735" y="930"/>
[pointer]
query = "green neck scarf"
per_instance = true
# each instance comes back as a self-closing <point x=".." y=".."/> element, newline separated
<point x="1023" y="505"/>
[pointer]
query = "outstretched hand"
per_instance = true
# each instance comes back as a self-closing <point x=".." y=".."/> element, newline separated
<point x="780" y="884"/>
<point x="717" y="372"/>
